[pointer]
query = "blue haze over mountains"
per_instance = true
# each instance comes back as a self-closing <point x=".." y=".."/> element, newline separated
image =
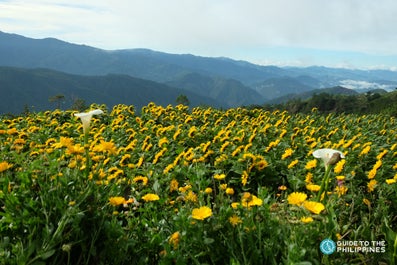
<point x="33" y="70"/>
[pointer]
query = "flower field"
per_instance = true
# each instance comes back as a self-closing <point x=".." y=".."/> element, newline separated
<point x="199" y="186"/>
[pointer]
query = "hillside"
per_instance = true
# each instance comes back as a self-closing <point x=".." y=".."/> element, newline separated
<point x="229" y="82"/>
<point x="338" y="90"/>
<point x="32" y="88"/>
<point x="19" y="51"/>
<point x="339" y="100"/>
<point x="229" y="91"/>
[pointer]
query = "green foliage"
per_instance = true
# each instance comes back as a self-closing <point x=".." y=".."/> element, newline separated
<point x="136" y="197"/>
<point x="182" y="99"/>
<point x="385" y="103"/>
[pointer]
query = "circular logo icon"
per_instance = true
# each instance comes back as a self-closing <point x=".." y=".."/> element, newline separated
<point x="327" y="246"/>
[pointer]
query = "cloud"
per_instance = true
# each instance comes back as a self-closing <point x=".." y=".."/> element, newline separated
<point x="356" y="84"/>
<point x="210" y="28"/>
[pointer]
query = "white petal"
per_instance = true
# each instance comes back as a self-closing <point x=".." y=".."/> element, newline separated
<point x="326" y="153"/>
<point x="83" y="114"/>
<point x="96" y="112"/>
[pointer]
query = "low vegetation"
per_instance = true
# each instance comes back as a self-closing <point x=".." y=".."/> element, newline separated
<point x="199" y="186"/>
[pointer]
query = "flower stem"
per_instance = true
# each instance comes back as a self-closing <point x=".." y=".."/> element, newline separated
<point x="394" y="257"/>
<point x="324" y="183"/>
<point x="87" y="155"/>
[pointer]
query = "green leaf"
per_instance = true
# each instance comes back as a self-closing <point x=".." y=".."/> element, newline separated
<point x="208" y="240"/>
<point x="47" y="254"/>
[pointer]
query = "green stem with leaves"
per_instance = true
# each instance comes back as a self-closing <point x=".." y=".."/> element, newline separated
<point x="87" y="155"/>
<point x="394" y="257"/>
<point x="324" y="183"/>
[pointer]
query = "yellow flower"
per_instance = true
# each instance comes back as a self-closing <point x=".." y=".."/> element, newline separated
<point x="367" y="202"/>
<point x="390" y="181"/>
<point x="176" y="134"/>
<point x="261" y="164"/>
<point x="255" y="201"/>
<point x="185" y="188"/>
<point x="339" y="166"/>
<point x="106" y="147"/>
<point x="287" y="153"/>
<point x="309" y="178"/>
<point x="140" y="161"/>
<point x="293" y="163"/>
<point x="306" y="219"/>
<point x="340" y="178"/>
<point x="371" y="185"/>
<point x="235" y="220"/>
<point x="191" y="196"/>
<point x="223" y="186"/>
<point x="201" y="213"/>
<point x="208" y="190"/>
<point x="4" y="166"/>
<point x="235" y="205"/>
<point x="244" y="178"/>
<point x="19" y="141"/>
<point x="296" y="198"/>
<point x="381" y="155"/>
<point x="282" y="187"/>
<point x="115" y="201"/>
<point x="123" y="160"/>
<point x="168" y="168"/>
<point x="142" y="179"/>
<point x="311" y="164"/>
<point x="372" y="173"/>
<point x="314" y="207"/>
<point x="174" y="239"/>
<point x="313" y="187"/>
<point x="219" y="176"/>
<point x="272" y="144"/>
<point x="229" y="191"/>
<point x="150" y="197"/>
<point x="341" y="190"/>
<point x="75" y="149"/>
<point x="192" y="131"/>
<point x="377" y="165"/>
<point x="63" y="142"/>
<point x="365" y="150"/>
<point x="162" y="141"/>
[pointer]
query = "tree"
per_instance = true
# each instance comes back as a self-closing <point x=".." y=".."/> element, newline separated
<point x="57" y="99"/>
<point x="79" y="105"/>
<point x="182" y="99"/>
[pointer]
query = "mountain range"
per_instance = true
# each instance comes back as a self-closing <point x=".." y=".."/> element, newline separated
<point x="33" y="70"/>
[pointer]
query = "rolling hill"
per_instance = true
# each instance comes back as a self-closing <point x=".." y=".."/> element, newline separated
<point x="32" y="88"/>
<point x="222" y="81"/>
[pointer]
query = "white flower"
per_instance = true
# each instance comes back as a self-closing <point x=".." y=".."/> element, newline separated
<point x="329" y="156"/>
<point x="86" y="118"/>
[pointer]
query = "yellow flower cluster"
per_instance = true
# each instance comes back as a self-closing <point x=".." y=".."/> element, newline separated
<point x="190" y="157"/>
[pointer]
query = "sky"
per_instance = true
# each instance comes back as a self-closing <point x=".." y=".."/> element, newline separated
<point x="359" y="34"/>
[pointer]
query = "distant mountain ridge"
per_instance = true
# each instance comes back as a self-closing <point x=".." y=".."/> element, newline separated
<point x="225" y="81"/>
<point x="337" y="90"/>
<point x="32" y="88"/>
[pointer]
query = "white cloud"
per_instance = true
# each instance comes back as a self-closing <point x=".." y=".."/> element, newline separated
<point x="356" y="84"/>
<point x="208" y="27"/>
